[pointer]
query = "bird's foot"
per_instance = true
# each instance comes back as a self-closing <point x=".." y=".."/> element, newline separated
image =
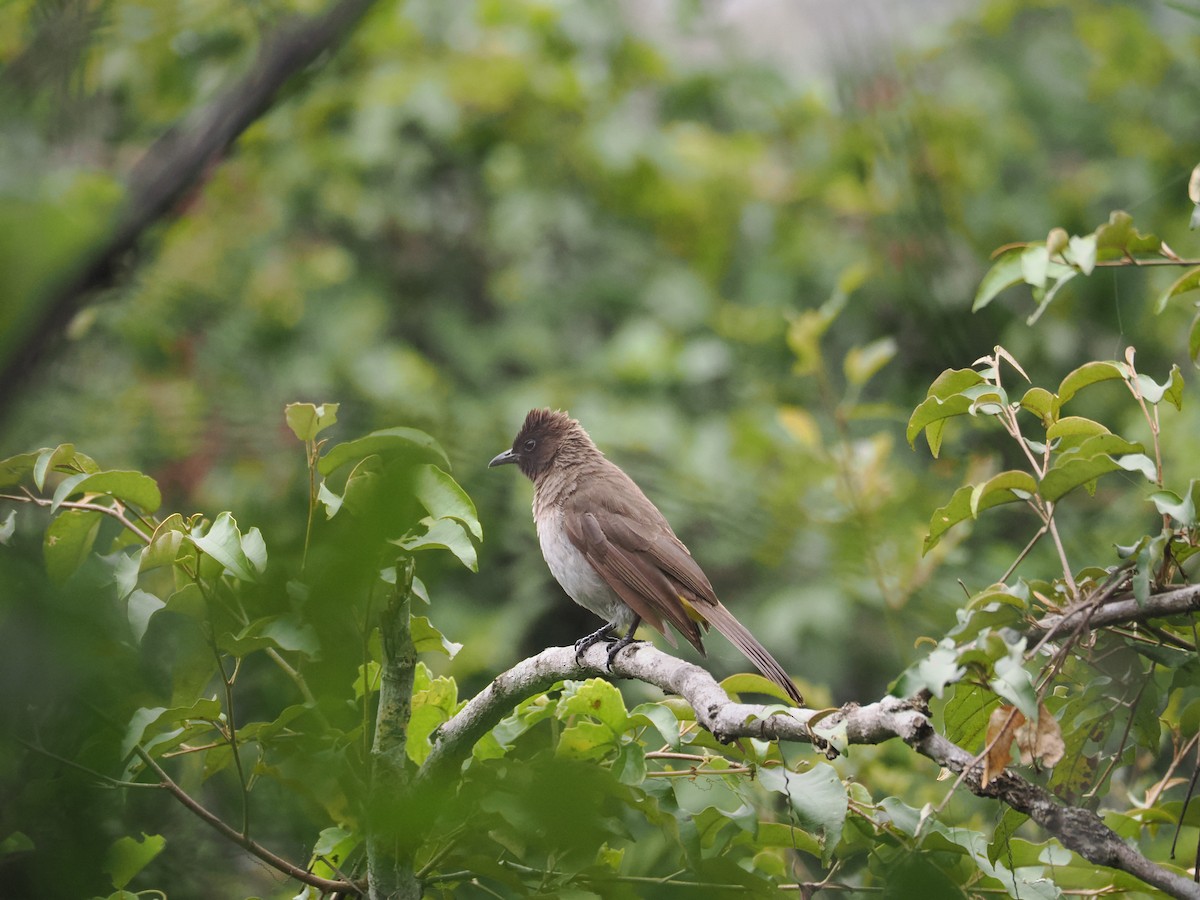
<point x="618" y="646"/>
<point x="603" y="633"/>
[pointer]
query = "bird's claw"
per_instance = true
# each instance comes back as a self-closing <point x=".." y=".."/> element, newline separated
<point x="582" y="645"/>
<point x="617" y="647"/>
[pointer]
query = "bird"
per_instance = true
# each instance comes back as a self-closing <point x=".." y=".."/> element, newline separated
<point x="613" y="552"/>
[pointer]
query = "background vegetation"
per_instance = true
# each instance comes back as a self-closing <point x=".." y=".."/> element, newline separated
<point x="741" y="273"/>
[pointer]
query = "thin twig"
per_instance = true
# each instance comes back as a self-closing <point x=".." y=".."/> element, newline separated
<point x="99" y="776"/>
<point x="327" y="885"/>
<point x="80" y="504"/>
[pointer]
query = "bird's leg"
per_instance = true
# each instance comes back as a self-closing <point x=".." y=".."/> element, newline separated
<point x="621" y="644"/>
<point x="603" y="633"/>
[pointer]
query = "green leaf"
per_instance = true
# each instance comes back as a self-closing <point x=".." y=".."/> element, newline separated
<point x="788" y="837"/>
<point x="149" y="721"/>
<point x="332" y="501"/>
<point x="1118" y="238"/>
<point x="1185" y="283"/>
<point x="140" y="606"/>
<point x="934" y="410"/>
<point x="630" y="765"/>
<point x="16" y="842"/>
<point x="289" y="632"/>
<point x="266" y="732"/>
<point x="427" y="638"/>
<point x="862" y="363"/>
<point x="1149" y="559"/>
<point x="361" y="485"/>
<point x="1007" y="487"/>
<point x="1181" y="509"/>
<point x="661" y="718"/>
<point x="15" y="469"/>
<point x="1035" y="263"/>
<point x="1000" y="845"/>
<point x="527" y="714"/>
<point x="333" y="847"/>
<point x="954" y="381"/>
<point x="586" y="740"/>
<point x="933" y="673"/>
<point x="968" y="708"/>
<point x="443" y="534"/>
<point x="1194" y="342"/>
<point x="69" y="539"/>
<point x="817" y="797"/>
<point x="1081" y="251"/>
<point x="423" y="722"/>
<point x="255" y="549"/>
<point x="596" y="698"/>
<point x="188" y="602"/>
<point x="1088" y="374"/>
<point x="389" y="442"/>
<point x="307" y="420"/>
<point x="753" y="683"/>
<point x="63" y="458"/>
<point x="433" y="702"/>
<point x="992" y="608"/>
<point x="1043" y="295"/>
<point x="1069" y="427"/>
<point x="49" y="460"/>
<point x="1085" y="464"/>
<point x="706" y="791"/>
<point x="1013" y="683"/>
<point x="1139" y="462"/>
<point x="8" y="527"/>
<point x="970" y="500"/>
<point x="1040" y="402"/>
<point x="1007" y="270"/>
<point x="132" y="488"/>
<point x="444" y="499"/>
<point x="284" y="632"/>
<point x="127" y="856"/>
<point x="123" y="570"/>
<point x="367" y="680"/>
<point x="164" y="545"/>
<point x="223" y="542"/>
<point x="1172" y="389"/>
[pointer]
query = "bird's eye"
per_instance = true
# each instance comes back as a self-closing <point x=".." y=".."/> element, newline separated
<point x="529" y="445"/>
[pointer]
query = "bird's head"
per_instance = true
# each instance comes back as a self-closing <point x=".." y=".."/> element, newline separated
<point x="546" y="434"/>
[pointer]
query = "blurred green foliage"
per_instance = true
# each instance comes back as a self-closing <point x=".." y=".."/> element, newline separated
<point x="740" y="275"/>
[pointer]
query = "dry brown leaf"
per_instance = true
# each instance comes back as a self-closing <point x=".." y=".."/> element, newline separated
<point x="1002" y="725"/>
<point x="1042" y="740"/>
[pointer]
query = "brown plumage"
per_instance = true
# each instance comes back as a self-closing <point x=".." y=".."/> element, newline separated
<point x="611" y="549"/>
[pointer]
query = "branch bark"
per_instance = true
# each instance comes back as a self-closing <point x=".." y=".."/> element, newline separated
<point x="1124" y="610"/>
<point x="174" y="164"/>
<point x="389" y="861"/>
<point x="891" y="717"/>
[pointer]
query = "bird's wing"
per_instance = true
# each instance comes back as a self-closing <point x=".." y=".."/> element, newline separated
<point x="621" y="557"/>
<point x="632" y="547"/>
<point x="652" y="570"/>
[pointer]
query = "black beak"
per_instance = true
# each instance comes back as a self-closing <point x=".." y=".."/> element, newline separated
<point x="506" y="457"/>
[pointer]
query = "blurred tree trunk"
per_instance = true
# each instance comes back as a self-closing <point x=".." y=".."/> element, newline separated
<point x="389" y="863"/>
<point x="174" y="165"/>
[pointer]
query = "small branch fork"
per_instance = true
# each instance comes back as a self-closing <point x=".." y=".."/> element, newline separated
<point x="1077" y="829"/>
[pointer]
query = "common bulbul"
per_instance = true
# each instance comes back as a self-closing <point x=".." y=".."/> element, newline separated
<point x="613" y="551"/>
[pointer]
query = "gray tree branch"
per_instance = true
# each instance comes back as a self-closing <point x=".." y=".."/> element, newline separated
<point x="1124" y="610"/>
<point x="891" y="717"/>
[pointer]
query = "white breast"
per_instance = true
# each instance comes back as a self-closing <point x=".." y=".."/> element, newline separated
<point x="572" y="570"/>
